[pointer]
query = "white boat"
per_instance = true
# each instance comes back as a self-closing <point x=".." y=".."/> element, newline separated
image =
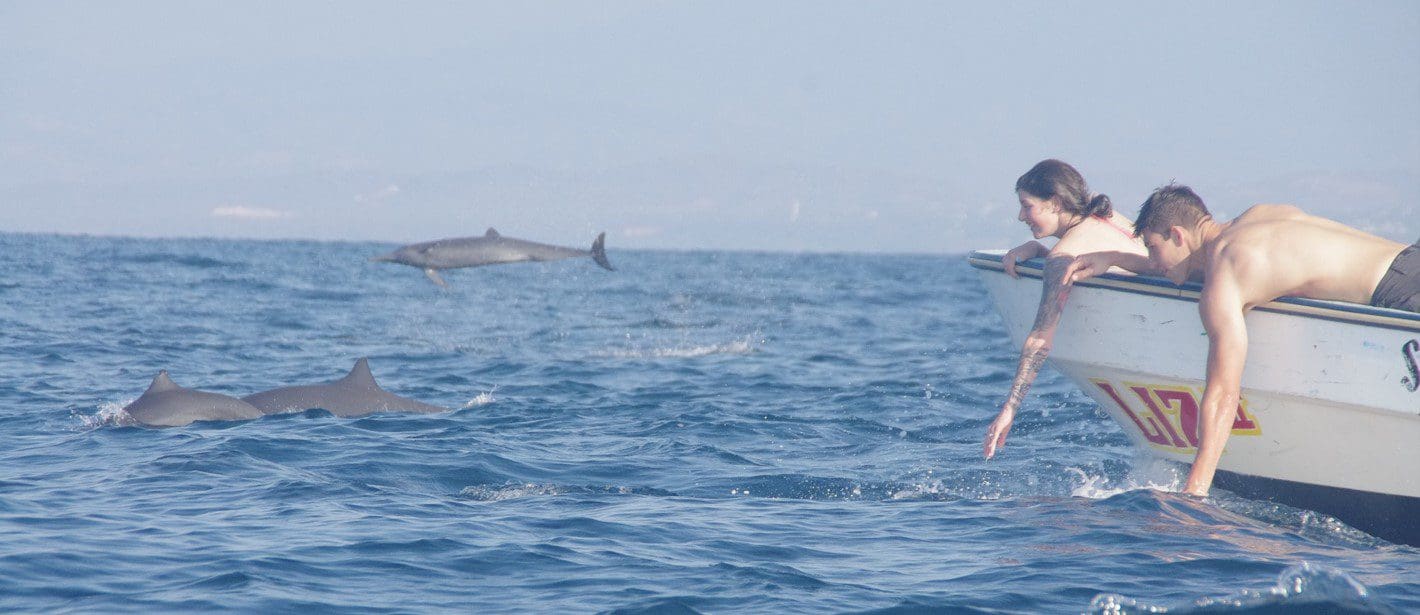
<point x="1330" y="412"/>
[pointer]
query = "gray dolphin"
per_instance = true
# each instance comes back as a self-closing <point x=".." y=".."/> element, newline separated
<point x="357" y="394"/>
<point x="490" y="249"/>
<point x="165" y="404"/>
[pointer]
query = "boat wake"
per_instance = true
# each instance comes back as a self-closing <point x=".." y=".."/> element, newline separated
<point x="1309" y="523"/>
<point x="1161" y="475"/>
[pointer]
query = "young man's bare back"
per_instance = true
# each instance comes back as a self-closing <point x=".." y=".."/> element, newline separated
<point x="1279" y="250"/>
<point x="1268" y="252"/>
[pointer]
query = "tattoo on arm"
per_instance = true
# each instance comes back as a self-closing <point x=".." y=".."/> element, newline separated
<point x="1025" y="375"/>
<point x="1052" y="301"/>
<point x="1053" y="293"/>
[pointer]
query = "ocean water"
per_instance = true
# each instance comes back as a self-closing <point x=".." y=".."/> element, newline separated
<point x="696" y="432"/>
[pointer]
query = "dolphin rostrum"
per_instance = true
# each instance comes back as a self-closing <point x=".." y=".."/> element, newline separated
<point x="165" y="404"/>
<point x="357" y="394"/>
<point x="490" y="249"/>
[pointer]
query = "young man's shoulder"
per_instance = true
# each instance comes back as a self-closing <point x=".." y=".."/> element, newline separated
<point x="1270" y="212"/>
<point x="1241" y="254"/>
<point x="1261" y="225"/>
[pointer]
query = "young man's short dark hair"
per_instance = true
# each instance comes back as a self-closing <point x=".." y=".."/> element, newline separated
<point x="1170" y="206"/>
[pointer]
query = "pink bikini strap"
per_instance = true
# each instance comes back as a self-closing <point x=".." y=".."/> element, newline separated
<point x="1112" y="225"/>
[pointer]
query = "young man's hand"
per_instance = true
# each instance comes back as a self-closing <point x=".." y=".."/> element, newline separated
<point x="1089" y="265"/>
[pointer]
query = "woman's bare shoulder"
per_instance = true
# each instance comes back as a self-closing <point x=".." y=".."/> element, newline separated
<point x="1095" y="235"/>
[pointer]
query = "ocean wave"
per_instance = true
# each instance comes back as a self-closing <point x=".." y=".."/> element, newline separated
<point x="1302" y="588"/>
<point x="1317" y="526"/>
<point x="499" y="493"/>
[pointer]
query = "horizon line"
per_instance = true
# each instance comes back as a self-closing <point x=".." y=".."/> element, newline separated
<point x="241" y="239"/>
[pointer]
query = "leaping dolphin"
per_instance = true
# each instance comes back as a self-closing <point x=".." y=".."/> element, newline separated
<point x="165" y="404"/>
<point x="357" y="394"/>
<point x="490" y="249"/>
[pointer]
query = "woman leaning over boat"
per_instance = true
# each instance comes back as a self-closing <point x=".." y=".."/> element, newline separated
<point x="1055" y="202"/>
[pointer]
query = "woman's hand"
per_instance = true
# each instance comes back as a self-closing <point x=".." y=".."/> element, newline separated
<point x="1025" y="251"/>
<point x="996" y="433"/>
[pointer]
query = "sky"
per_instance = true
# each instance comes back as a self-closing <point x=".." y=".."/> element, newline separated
<point x="726" y="125"/>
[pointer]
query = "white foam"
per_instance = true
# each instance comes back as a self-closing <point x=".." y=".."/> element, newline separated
<point x="110" y="415"/>
<point x="744" y="346"/>
<point x="510" y="492"/>
<point x="482" y="399"/>
<point x="1144" y="473"/>
<point x="934" y="489"/>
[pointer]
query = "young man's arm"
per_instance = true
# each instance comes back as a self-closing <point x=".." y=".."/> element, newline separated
<point x="1095" y="263"/>
<point x="1221" y="306"/>
<point x="1053" y="293"/>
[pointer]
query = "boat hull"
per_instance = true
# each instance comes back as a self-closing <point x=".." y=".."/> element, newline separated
<point x="1330" y="413"/>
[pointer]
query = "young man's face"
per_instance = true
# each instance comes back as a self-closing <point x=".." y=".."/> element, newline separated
<point x="1168" y="253"/>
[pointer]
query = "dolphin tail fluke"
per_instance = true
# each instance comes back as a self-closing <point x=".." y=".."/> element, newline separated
<point x="434" y="277"/>
<point x="599" y="252"/>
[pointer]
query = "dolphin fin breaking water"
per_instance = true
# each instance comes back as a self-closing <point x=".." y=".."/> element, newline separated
<point x="165" y="404"/>
<point x="357" y="394"/>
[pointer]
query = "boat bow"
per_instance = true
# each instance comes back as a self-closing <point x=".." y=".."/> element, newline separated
<point x="1329" y="395"/>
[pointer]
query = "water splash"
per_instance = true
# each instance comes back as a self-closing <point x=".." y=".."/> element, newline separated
<point x="482" y="399"/>
<point x="110" y="414"/>
<point x="1145" y="473"/>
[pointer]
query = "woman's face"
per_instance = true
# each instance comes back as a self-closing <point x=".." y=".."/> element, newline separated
<point x="1041" y="215"/>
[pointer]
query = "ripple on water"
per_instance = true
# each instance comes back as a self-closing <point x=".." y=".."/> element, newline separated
<point x="1302" y="588"/>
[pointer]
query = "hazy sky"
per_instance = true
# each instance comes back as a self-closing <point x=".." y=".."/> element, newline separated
<point x="823" y="126"/>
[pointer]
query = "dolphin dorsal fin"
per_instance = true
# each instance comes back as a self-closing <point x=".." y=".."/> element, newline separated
<point x="361" y="375"/>
<point x="492" y="233"/>
<point x="161" y="383"/>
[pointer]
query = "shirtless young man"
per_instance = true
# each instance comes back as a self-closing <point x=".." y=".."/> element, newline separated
<point x="1268" y="252"/>
<point x="1055" y="202"/>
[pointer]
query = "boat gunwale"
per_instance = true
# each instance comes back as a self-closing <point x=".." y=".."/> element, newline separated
<point x="1338" y="311"/>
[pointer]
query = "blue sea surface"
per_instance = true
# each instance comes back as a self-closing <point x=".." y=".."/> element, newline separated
<point x="695" y="432"/>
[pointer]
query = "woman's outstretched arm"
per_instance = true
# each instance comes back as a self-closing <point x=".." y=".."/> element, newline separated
<point x="1054" y="292"/>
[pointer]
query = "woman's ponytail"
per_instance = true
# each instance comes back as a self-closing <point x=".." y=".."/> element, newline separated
<point x="1098" y="205"/>
<point x="1053" y="178"/>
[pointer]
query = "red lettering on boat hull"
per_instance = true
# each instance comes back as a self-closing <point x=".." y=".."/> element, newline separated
<point x="1169" y="417"/>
